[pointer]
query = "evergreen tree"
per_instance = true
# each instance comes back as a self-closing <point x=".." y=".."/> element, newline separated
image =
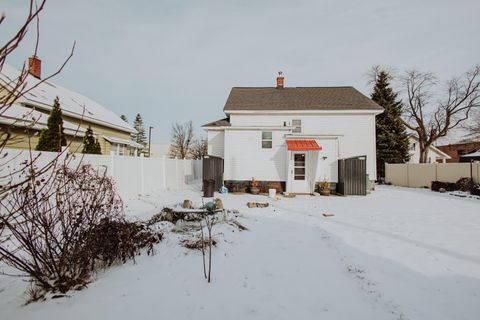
<point x="392" y="138"/>
<point x="53" y="138"/>
<point x="124" y="118"/>
<point x="90" y="144"/>
<point x="140" y="136"/>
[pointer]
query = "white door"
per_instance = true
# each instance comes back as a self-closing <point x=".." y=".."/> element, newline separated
<point x="300" y="170"/>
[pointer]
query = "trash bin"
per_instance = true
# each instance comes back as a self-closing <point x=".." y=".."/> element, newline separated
<point x="272" y="193"/>
<point x="208" y="188"/>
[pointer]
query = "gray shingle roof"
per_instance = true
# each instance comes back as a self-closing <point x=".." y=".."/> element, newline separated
<point x="219" y="123"/>
<point x="298" y="98"/>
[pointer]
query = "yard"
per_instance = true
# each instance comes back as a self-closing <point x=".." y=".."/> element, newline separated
<point x="396" y="254"/>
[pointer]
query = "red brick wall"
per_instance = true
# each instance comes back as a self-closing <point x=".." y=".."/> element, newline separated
<point x="457" y="150"/>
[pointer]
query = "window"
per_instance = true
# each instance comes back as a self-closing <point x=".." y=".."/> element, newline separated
<point x="297" y="126"/>
<point x="413" y="146"/>
<point x="299" y="166"/>
<point x="118" y="149"/>
<point x="266" y="140"/>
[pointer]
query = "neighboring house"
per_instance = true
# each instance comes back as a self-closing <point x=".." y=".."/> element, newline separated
<point x="471" y="157"/>
<point x="29" y="115"/>
<point x="456" y="150"/>
<point x="291" y="138"/>
<point x="159" y="150"/>
<point x="434" y="154"/>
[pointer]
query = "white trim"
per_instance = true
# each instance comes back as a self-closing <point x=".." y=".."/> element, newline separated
<point x="432" y="147"/>
<point x="123" y="141"/>
<point x="291" y="111"/>
<point x="313" y="136"/>
<point x="75" y="115"/>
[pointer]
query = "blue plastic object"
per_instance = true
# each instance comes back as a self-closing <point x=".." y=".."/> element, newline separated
<point x="210" y="206"/>
<point x="223" y="190"/>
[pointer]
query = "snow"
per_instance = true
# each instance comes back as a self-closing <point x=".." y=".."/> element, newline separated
<point x="73" y="104"/>
<point x="398" y="253"/>
<point x="23" y="116"/>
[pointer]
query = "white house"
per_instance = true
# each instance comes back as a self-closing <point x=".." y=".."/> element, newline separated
<point x="291" y="138"/>
<point x="434" y="154"/>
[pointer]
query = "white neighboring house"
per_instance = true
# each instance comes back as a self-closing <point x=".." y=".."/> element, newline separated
<point x="292" y="137"/>
<point x="434" y="154"/>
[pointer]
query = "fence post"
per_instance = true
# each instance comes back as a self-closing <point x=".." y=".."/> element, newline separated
<point x="176" y="174"/>
<point x="408" y="176"/>
<point x="184" y="179"/>
<point x="164" y="169"/>
<point x="142" y="175"/>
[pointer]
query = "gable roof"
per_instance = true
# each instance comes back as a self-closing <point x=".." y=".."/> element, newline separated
<point x="219" y="123"/>
<point x="73" y="104"/>
<point x="445" y="155"/>
<point x="298" y="98"/>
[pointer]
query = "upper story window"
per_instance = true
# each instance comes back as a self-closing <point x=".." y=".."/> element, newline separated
<point x="266" y="139"/>
<point x="297" y="126"/>
<point x="413" y="146"/>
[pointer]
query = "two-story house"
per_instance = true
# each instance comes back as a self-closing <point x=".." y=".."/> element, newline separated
<point x="290" y="138"/>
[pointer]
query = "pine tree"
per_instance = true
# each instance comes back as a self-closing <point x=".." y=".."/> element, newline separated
<point x="140" y="136"/>
<point x="124" y="118"/>
<point x="90" y="144"/>
<point x="392" y="138"/>
<point x="53" y="137"/>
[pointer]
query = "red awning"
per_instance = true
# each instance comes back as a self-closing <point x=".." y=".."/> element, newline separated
<point x="303" y="145"/>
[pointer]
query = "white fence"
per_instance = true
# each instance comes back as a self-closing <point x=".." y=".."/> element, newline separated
<point x="132" y="175"/>
<point x="422" y="174"/>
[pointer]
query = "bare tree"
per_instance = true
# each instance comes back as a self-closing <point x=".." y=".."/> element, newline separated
<point x="199" y="148"/>
<point x="433" y="118"/>
<point x="16" y="88"/>
<point x="182" y="140"/>
<point x="473" y="126"/>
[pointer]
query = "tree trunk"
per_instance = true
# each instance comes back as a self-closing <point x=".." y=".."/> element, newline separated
<point x="423" y="153"/>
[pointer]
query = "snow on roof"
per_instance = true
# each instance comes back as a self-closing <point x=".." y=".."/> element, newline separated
<point x="124" y="141"/>
<point x="73" y="104"/>
<point x="27" y="117"/>
<point x="473" y="154"/>
<point x="445" y="155"/>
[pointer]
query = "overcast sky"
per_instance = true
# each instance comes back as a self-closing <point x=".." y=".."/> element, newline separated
<point x="174" y="61"/>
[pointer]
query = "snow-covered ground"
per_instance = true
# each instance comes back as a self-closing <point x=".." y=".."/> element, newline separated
<point x="395" y="254"/>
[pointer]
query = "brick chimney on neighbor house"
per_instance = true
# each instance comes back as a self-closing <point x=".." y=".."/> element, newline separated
<point x="280" y="80"/>
<point x="35" y="67"/>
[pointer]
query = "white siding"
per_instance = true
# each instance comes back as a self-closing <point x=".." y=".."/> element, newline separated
<point x="355" y="132"/>
<point x="245" y="158"/>
<point x="432" y="155"/>
<point x="216" y="143"/>
<point x="327" y="166"/>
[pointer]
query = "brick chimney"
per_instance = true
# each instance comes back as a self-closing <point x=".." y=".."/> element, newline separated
<point x="280" y="82"/>
<point x="35" y="67"/>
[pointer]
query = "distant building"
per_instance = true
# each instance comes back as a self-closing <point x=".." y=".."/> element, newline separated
<point x="434" y="153"/>
<point x="160" y="150"/>
<point x="459" y="149"/>
<point x="30" y="112"/>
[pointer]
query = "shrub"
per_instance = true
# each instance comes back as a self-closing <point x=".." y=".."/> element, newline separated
<point x="475" y="189"/>
<point x="62" y="225"/>
<point x="448" y="186"/>
<point x="465" y="184"/>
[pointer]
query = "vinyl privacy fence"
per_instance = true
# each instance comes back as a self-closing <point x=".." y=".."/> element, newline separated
<point x="422" y="174"/>
<point x="132" y="175"/>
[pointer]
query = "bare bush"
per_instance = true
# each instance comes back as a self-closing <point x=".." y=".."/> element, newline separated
<point x="61" y="226"/>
